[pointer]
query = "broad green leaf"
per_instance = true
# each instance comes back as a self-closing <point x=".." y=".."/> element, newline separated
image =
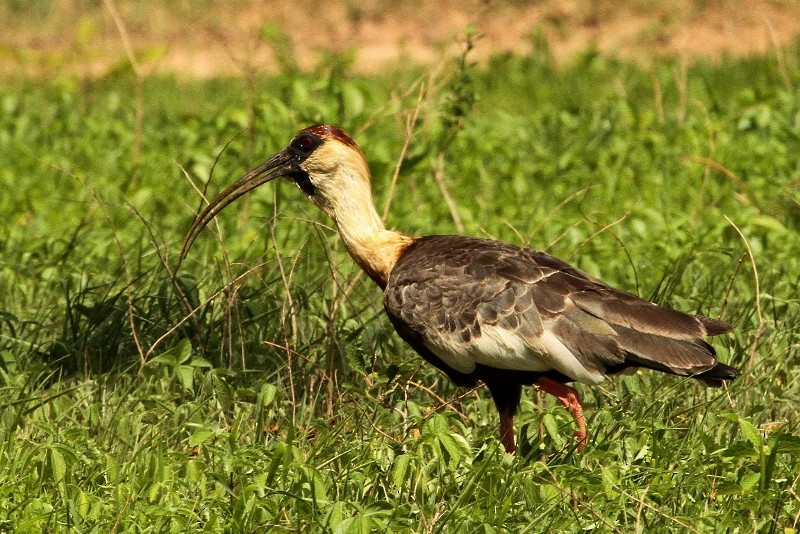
<point x="200" y="436"/>
<point x="193" y="471"/>
<point x="267" y="394"/>
<point x="185" y="374"/>
<point x="224" y="392"/>
<point x="200" y="363"/>
<point x="749" y="481"/>
<point x="551" y="426"/>
<point x="752" y="435"/>
<point x="58" y="465"/>
<point x="336" y="515"/>
<point x="449" y="444"/>
<point x="400" y="469"/>
<point x="317" y="485"/>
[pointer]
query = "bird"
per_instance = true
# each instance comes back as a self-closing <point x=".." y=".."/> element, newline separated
<point x="482" y="310"/>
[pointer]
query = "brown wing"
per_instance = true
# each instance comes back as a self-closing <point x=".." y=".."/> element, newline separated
<point x="482" y="302"/>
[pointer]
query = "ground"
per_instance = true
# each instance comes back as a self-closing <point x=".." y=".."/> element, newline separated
<point x="204" y="38"/>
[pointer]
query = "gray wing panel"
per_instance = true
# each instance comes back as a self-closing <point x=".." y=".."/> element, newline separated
<point x="457" y="292"/>
<point x="464" y="295"/>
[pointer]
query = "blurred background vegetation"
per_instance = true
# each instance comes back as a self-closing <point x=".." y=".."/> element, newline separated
<point x="208" y="38"/>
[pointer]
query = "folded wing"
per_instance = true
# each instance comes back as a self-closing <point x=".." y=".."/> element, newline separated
<point x="480" y="302"/>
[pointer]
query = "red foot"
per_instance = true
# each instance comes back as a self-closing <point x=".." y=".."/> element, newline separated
<point x="572" y="402"/>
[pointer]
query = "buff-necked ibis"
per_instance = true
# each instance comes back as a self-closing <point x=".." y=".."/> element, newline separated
<point x="484" y="310"/>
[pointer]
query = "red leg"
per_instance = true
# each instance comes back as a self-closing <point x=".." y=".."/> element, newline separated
<point x="571" y="400"/>
<point x="507" y="431"/>
<point x="506" y="398"/>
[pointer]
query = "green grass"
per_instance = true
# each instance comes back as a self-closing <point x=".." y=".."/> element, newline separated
<point x="286" y="402"/>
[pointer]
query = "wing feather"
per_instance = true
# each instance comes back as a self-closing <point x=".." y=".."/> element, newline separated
<point x="481" y="302"/>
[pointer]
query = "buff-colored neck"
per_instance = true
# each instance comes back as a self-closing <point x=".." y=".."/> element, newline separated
<point x="374" y="248"/>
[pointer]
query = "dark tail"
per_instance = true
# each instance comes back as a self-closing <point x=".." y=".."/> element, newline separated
<point x="717" y="374"/>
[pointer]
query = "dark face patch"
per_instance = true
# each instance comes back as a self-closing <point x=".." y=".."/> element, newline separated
<point x="303" y="145"/>
<point x="303" y="181"/>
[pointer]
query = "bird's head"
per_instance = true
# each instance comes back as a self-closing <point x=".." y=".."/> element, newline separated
<point x="322" y="160"/>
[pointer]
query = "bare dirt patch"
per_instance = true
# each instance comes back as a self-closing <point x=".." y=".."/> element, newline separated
<point x="201" y="38"/>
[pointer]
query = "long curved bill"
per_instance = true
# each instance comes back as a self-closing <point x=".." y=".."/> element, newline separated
<point x="278" y="165"/>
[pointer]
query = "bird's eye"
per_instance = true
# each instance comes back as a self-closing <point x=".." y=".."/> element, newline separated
<point x="304" y="143"/>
